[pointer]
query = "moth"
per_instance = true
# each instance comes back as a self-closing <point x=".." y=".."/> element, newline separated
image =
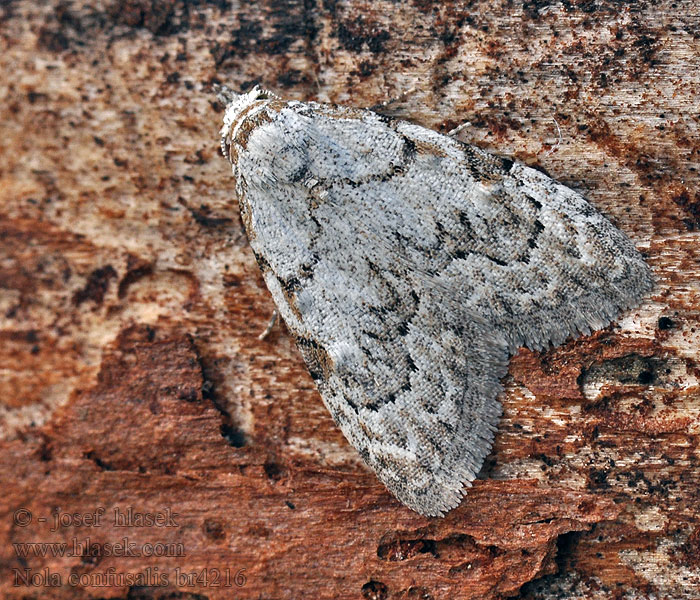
<point x="410" y="266"/>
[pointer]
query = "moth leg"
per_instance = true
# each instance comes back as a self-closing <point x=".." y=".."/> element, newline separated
<point x="224" y="94"/>
<point x="559" y="140"/>
<point x="270" y="325"/>
<point x="381" y="107"/>
<point x="459" y="128"/>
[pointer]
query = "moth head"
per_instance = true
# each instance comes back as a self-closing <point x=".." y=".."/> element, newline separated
<point x="236" y="104"/>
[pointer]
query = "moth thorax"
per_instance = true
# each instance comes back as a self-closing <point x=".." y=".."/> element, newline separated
<point x="238" y="108"/>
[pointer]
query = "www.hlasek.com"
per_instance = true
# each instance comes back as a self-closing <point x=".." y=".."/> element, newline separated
<point x="86" y="547"/>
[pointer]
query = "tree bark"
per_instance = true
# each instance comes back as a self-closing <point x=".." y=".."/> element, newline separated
<point x="143" y="423"/>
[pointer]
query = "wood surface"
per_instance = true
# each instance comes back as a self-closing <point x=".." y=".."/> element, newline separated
<point x="131" y="375"/>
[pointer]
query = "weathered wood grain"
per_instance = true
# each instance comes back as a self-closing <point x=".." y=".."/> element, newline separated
<point x="131" y="375"/>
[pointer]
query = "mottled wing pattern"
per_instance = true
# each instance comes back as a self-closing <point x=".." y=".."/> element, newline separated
<point x="409" y="267"/>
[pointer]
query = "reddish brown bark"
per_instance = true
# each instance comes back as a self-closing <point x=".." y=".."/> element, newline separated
<point x="130" y="369"/>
